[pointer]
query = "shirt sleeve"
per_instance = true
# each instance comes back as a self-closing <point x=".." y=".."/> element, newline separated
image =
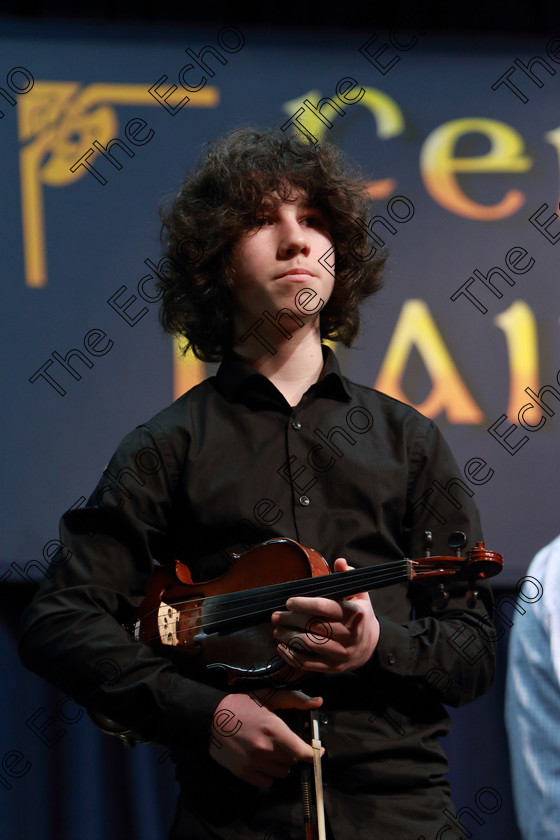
<point x="532" y="701"/>
<point x="73" y="632"/>
<point x="449" y="646"/>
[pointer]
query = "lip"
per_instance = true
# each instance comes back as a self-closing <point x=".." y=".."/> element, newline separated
<point x="297" y="272"/>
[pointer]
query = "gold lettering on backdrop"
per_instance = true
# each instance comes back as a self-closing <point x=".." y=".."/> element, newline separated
<point x="57" y="123"/>
<point x="416" y="328"/>
<point x="388" y="116"/>
<point x="439" y="166"/>
<point x="308" y="119"/>
<point x="519" y="326"/>
<point x="553" y="137"/>
<point x="390" y="123"/>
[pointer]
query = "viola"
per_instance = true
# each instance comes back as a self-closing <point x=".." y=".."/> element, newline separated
<point x="219" y="630"/>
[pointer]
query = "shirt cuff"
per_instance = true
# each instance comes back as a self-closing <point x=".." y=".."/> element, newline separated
<point x="189" y="711"/>
<point x="395" y="649"/>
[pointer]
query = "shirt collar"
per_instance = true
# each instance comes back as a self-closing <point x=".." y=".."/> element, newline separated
<point x="236" y="380"/>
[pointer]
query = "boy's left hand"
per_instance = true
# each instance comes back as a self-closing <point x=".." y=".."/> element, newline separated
<point x="324" y="636"/>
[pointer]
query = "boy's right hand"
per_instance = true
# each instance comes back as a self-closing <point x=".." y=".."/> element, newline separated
<point x="255" y="744"/>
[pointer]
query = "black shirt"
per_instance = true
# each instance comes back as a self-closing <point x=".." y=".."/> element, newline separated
<point x="228" y="465"/>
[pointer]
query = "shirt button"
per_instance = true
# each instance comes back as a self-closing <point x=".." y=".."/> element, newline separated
<point x="296" y="425"/>
<point x="391" y="659"/>
<point x="304" y="500"/>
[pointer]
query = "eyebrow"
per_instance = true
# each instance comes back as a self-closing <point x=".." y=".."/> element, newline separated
<point x="269" y="203"/>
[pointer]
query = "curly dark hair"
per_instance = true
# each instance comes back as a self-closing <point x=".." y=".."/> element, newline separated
<point x="220" y="201"/>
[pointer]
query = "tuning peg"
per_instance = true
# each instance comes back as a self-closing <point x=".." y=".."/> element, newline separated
<point x="428" y="540"/>
<point x="440" y="598"/>
<point x="471" y="597"/>
<point x="456" y="541"/>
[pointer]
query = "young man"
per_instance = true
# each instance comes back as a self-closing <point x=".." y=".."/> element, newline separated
<point x="277" y="444"/>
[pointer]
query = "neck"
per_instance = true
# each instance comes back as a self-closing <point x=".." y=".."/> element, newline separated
<point x="295" y="364"/>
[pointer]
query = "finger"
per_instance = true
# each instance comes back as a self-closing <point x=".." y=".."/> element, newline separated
<point x="325" y="662"/>
<point x="263" y="781"/>
<point x="281" y="763"/>
<point x="317" y="632"/>
<point x="264" y="776"/>
<point x="287" y="748"/>
<point x="288" y="699"/>
<point x="298" y="748"/>
<point x="312" y="607"/>
<point x="287" y="618"/>
<point x="341" y="565"/>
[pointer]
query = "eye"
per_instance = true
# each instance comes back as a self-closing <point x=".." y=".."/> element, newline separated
<point x="314" y="220"/>
<point x="262" y="221"/>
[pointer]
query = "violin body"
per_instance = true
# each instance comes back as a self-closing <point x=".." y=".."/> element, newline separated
<point x="176" y="616"/>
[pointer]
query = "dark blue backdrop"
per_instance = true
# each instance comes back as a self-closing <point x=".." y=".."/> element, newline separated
<point x="474" y="164"/>
<point x="78" y="258"/>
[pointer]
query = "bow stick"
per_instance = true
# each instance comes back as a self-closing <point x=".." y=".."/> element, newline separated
<point x="318" y="776"/>
<point x="314" y="823"/>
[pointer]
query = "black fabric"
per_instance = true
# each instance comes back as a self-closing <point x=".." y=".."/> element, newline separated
<point x="226" y="466"/>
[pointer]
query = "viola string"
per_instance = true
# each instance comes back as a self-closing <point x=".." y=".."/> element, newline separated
<point x="225" y="613"/>
<point x="383" y="577"/>
<point x="336" y="587"/>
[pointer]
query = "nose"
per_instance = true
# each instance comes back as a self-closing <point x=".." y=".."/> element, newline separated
<point x="293" y="237"/>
